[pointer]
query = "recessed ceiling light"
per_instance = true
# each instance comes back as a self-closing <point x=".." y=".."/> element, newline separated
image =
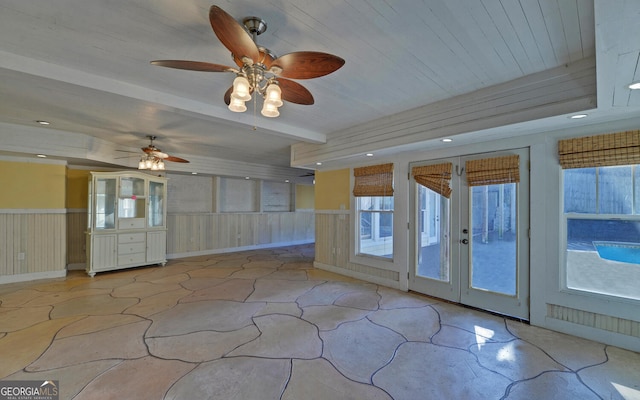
<point x="369" y="154"/>
<point x="318" y="163"/>
<point x="41" y="155"/>
<point x="194" y="173"/>
<point x="447" y="140"/>
<point x="286" y="181"/>
<point x="247" y="177"/>
<point x="578" y="116"/>
<point x="41" y="122"/>
<point x="634" y="86"/>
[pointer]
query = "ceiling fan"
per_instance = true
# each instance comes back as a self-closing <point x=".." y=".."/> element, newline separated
<point x="259" y="70"/>
<point x="153" y="158"/>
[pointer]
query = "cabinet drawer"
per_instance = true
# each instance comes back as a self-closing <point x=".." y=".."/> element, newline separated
<point x="129" y="248"/>
<point x="131" y="237"/>
<point x="131" y="223"/>
<point x="130" y="259"/>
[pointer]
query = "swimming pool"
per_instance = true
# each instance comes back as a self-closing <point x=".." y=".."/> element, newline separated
<point x="627" y="252"/>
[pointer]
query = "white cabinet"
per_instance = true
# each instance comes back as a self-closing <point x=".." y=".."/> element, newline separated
<point x="126" y="221"/>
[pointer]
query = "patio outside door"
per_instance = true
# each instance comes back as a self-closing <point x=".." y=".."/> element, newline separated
<point x="480" y="256"/>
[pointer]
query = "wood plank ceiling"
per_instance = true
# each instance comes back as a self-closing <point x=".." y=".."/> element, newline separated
<point x="84" y="65"/>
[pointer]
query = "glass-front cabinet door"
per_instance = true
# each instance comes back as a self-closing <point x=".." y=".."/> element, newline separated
<point x="131" y="203"/>
<point x="156" y="204"/>
<point x="105" y="203"/>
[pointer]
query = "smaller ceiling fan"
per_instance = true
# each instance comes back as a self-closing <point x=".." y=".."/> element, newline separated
<point x="154" y="158"/>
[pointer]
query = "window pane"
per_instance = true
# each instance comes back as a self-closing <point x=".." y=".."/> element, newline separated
<point x="615" y="190"/>
<point x="580" y="190"/>
<point x="603" y="256"/>
<point x="636" y="180"/>
<point x="375" y="225"/>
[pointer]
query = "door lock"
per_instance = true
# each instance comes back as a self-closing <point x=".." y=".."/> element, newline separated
<point x="464" y="241"/>
<point x="465" y="231"/>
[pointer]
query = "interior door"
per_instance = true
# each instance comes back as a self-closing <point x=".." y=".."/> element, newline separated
<point x="481" y="258"/>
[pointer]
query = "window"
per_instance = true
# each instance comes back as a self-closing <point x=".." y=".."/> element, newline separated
<point x="373" y="190"/>
<point x="601" y="212"/>
<point x="375" y="219"/>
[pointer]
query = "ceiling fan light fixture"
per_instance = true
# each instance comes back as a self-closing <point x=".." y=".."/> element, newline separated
<point x="241" y="89"/>
<point x="237" y="105"/>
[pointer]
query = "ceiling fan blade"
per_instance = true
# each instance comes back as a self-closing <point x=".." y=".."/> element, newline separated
<point x="295" y="93"/>
<point x="193" y="65"/>
<point x="306" y="64"/>
<point x="175" y="159"/>
<point x="158" y="154"/>
<point x="232" y="35"/>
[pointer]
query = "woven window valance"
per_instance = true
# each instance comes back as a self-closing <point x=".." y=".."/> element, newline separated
<point x="621" y="148"/>
<point x="375" y="180"/>
<point x="493" y="171"/>
<point x="435" y="177"/>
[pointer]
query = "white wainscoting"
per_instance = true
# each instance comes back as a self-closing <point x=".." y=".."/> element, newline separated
<point x="191" y="234"/>
<point x="332" y="251"/>
<point x="32" y="244"/>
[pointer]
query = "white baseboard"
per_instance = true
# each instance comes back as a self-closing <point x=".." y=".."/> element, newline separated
<point x="359" y="275"/>
<point x="76" y="267"/>
<point x="234" y="249"/>
<point x="32" y="276"/>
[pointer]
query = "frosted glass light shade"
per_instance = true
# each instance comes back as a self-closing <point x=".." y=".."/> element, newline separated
<point x="241" y="90"/>
<point x="274" y="95"/>
<point x="269" y="110"/>
<point x="237" y="105"/>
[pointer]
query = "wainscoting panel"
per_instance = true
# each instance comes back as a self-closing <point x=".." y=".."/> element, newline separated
<point x="76" y="238"/>
<point x="332" y="250"/>
<point x="594" y="320"/>
<point x="32" y="243"/>
<point x="210" y="232"/>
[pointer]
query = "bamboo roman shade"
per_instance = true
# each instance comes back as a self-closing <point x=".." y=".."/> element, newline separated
<point x="435" y="177"/>
<point x="376" y="180"/>
<point x="493" y="171"/>
<point x="621" y="148"/>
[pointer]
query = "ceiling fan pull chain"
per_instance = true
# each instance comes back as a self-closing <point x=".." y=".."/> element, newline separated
<point x="255" y="116"/>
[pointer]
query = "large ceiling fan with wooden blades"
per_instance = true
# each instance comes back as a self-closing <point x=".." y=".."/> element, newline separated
<point x="153" y="158"/>
<point x="258" y="69"/>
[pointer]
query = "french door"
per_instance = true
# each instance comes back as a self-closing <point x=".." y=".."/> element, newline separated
<point x="472" y="246"/>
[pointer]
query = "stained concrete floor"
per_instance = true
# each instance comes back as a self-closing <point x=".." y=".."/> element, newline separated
<point x="265" y="325"/>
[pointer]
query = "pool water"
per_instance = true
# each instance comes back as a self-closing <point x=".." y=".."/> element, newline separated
<point x="619" y="251"/>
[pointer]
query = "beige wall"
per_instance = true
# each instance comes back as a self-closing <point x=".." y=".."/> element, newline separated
<point x="77" y="188"/>
<point x="332" y="191"/>
<point x="32" y="220"/>
<point x="32" y="185"/>
<point x="305" y="197"/>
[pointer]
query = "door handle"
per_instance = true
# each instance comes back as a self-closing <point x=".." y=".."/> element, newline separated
<point x="464" y="241"/>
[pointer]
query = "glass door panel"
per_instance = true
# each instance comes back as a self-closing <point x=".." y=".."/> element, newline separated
<point x="433" y="235"/>
<point x="493" y="242"/>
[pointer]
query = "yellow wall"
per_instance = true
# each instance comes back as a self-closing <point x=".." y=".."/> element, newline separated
<point x="305" y="197"/>
<point x="32" y="185"/>
<point x="77" y="188"/>
<point x="333" y="189"/>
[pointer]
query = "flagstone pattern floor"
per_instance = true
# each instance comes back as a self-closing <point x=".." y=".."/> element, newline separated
<point x="265" y="324"/>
